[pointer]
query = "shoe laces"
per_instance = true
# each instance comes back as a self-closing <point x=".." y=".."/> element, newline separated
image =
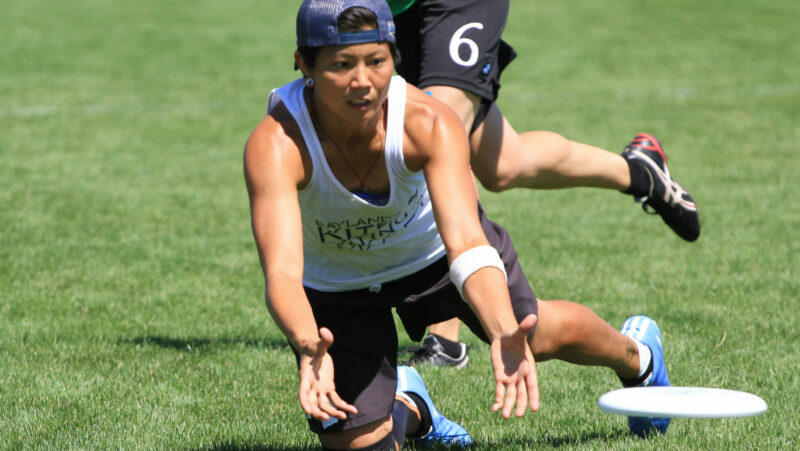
<point x="674" y="196"/>
<point x="673" y="192"/>
<point x="419" y="352"/>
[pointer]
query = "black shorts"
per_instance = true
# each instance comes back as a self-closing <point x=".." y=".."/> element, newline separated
<point x="364" y="349"/>
<point x="455" y="43"/>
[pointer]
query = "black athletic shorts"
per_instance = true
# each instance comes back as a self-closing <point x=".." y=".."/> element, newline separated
<point x="364" y="349"/>
<point x="455" y="43"/>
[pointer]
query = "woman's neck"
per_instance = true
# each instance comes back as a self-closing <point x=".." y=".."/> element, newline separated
<point x="353" y="151"/>
<point x="347" y="132"/>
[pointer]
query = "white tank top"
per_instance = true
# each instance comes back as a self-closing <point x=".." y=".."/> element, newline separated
<point x="348" y="243"/>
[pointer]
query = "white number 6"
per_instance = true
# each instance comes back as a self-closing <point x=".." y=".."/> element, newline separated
<point x="457" y="41"/>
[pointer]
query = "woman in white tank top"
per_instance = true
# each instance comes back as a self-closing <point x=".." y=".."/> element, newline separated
<point x="346" y="140"/>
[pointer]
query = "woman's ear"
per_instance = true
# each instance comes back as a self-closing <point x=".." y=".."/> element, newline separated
<point x="301" y="64"/>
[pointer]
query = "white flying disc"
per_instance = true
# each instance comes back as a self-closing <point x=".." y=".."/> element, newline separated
<point x="682" y="402"/>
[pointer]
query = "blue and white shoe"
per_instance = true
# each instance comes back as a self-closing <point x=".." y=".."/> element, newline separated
<point x="645" y="330"/>
<point x="442" y="431"/>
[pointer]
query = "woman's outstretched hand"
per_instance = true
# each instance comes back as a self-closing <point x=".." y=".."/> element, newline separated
<point x="318" y="396"/>
<point x="515" y="371"/>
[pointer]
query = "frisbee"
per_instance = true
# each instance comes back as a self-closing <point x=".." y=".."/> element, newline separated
<point x="681" y="402"/>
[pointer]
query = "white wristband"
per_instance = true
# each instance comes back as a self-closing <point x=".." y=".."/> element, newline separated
<point x="472" y="260"/>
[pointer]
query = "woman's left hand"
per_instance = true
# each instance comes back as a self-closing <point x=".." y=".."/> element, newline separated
<point x="515" y="371"/>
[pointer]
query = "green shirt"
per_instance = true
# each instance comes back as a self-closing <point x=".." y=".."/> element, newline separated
<point x="398" y="6"/>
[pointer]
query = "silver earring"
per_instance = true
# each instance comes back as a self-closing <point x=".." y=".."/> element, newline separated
<point x="309" y="82"/>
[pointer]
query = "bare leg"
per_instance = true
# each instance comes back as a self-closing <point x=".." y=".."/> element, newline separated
<point x="503" y="159"/>
<point x="574" y="333"/>
<point x="369" y="434"/>
<point x="359" y="437"/>
<point x="448" y="329"/>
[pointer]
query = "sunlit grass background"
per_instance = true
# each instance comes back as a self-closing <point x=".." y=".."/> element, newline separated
<point x="131" y="301"/>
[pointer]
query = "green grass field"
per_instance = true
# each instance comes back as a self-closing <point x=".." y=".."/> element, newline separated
<point x="131" y="300"/>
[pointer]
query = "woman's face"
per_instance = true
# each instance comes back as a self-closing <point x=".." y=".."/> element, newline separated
<point x="352" y="81"/>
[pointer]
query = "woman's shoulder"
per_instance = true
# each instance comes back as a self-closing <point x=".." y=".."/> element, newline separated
<point x="425" y="115"/>
<point x="277" y="130"/>
<point x="422" y="108"/>
<point x="428" y="122"/>
<point x="276" y="143"/>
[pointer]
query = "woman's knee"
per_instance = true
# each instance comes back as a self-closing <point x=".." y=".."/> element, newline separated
<point x="362" y="437"/>
<point x="557" y="329"/>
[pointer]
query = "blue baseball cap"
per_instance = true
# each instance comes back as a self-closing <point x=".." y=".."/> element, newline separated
<point x="317" y="23"/>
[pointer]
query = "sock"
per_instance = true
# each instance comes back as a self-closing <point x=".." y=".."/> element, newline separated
<point x="426" y="422"/>
<point x="645" y="358"/>
<point x="451" y="348"/>
<point x="640" y="179"/>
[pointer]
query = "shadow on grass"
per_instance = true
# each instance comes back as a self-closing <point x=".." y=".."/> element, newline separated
<point x="256" y="448"/>
<point x="197" y="344"/>
<point x="548" y="441"/>
<point x="555" y="441"/>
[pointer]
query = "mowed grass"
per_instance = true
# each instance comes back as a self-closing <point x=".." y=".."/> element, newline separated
<point x="131" y="301"/>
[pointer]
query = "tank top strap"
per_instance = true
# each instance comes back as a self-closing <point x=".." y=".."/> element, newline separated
<point x="291" y="94"/>
<point x="395" y="123"/>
